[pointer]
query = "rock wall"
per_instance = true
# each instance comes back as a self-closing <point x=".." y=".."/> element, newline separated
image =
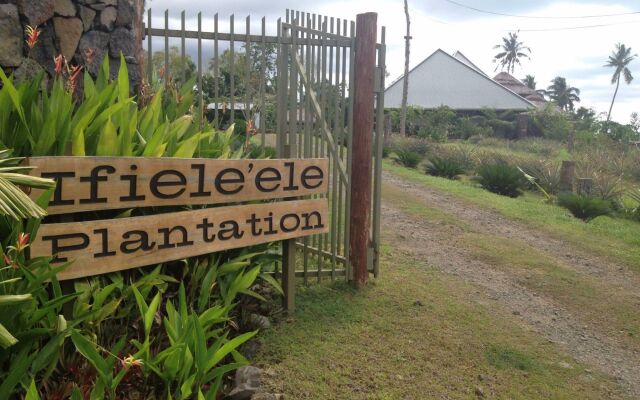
<point x="84" y="31"/>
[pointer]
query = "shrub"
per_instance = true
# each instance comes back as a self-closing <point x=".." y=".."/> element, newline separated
<point x="501" y="178"/>
<point x="415" y="145"/>
<point x="444" y="167"/>
<point x="408" y="158"/>
<point x="546" y="174"/>
<point x="551" y="123"/>
<point x="584" y="207"/>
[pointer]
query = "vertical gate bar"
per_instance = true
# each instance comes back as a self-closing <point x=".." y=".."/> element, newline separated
<point x="293" y="91"/>
<point x="289" y="260"/>
<point x="307" y="131"/>
<point x="232" y="72"/>
<point x="200" y="93"/>
<point x="248" y="112"/>
<point x="166" y="49"/>
<point x="216" y="75"/>
<point x="312" y="143"/>
<point x="282" y="90"/>
<point x="149" y="50"/>
<point x="263" y="72"/>
<point x="377" y="178"/>
<point x="347" y="232"/>
<point x="182" y="47"/>
<point x="319" y="139"/>
<point x="341" y="132"/>
<point x="299" y="108"/>
<point x="334" y="186"/>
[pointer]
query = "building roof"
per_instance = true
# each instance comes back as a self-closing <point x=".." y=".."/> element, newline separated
<point x="461" y="57"/>
<point x="520" y="88"/>
<point x="442" y="79"/>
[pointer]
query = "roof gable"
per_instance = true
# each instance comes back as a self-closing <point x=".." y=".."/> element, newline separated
<point x="442" y="79"/>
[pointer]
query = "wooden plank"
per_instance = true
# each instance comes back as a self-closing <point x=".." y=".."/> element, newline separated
<point x="99" y="247"/>
<point x="365" y="64"/>
<point x="102" y="183"/>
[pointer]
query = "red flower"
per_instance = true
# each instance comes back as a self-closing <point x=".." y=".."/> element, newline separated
<point x="59" y="62"/>
<point x="33" y="33"/>
<point x="74" y="73"/>
<point x="23" y="242"/>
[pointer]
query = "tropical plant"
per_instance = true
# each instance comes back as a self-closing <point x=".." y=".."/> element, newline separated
<point x="13" y="201"/>
<point x="563" y="95"/>
<point x="512" y="51"/>
<point x="501" y="178"/>
<point x="619" y="59"/>
<point x="444" y="167"/>
<point x="584" y="207"/>
<point x="408" y="158"/>
<point x="530" y="82"/>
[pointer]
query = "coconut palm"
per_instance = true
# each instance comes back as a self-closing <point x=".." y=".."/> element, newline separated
<point x="620" y="59"/>
<point x="512" y="52"/>
<point x="530" y="81"/>
<point x="562" y="94"/>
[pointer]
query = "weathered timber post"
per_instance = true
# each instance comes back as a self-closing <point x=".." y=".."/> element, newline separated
<point x="571" y="141"/>
<point x="567" y="173"/>
<point x="584" y="186"/>
<point x="365" y="65"/>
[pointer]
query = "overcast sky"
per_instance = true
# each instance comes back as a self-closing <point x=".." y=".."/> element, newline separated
<point x="569" y="44"/>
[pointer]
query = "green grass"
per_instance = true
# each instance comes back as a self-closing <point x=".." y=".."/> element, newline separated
<point x="616" y="239"/>
<point x="416" y="333"/>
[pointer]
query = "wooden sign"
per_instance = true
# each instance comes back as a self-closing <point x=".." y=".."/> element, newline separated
<point x="105" y="183"/>
<point x="98" y="247"/>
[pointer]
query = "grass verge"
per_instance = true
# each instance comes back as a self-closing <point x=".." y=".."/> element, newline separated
<point x="615" y="239"/>
<point x="414" y="334"/>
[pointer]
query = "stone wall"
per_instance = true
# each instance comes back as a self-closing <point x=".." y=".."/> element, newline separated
<point x="84" y="31"/>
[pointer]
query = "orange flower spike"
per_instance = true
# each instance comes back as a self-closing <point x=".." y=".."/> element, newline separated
<point x="33" y="33"/>
<point x="23" y="242"/>
<point x="59" y="62"/>
<point x="73" y="77"/>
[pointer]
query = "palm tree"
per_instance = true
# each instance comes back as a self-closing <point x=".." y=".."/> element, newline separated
<point x="619" y="59"/>
<point x="530" y="81"/>
<point x="562" y="94"/>
<point x="512" y="52"/>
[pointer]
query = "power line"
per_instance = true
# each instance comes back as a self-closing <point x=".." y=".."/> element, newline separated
<point x="569" y="28"/>
<point x="538" y="16"/>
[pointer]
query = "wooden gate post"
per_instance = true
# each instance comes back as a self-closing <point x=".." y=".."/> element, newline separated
<point x="289" y="258"/>
<point x="363" y="102"/>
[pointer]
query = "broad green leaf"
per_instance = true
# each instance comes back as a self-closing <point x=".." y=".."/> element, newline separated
<point x="6" y="338"/>
<point x="108" y="140"/>
<point x="32" y="392"/>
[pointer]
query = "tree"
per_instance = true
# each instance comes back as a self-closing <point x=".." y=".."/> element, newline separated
<point x="619" y="59"/>
<point x="405" y="82"/>
<point x="530" y="81"/>
<point x="179" y="69"/>
<point x="512" y="51"/>
<point x="562" y="94"/>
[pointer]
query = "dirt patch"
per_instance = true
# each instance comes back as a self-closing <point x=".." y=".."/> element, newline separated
<point x="502" y="289"/>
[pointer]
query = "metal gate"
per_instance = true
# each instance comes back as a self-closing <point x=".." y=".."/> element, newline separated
<point x="306" y="73"/>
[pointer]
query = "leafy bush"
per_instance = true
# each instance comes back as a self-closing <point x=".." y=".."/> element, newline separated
<point x="412" y="144"/>
<point x="584" y="207"/>
<point x="551" y="123"/>
<point x="545" y="173"/>
<point x="408" y="158"/>
<point x="444" y="167"/>
<point x="466" y="128"/>
<point x="501" y="178"/>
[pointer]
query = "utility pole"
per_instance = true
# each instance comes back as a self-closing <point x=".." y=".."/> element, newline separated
<point x="405" y="82"/>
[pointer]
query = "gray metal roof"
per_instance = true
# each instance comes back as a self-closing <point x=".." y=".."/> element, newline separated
<point x="442" y="79"/>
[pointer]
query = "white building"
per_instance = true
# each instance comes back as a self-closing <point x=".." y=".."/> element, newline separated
<point x="453" y="81"/>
